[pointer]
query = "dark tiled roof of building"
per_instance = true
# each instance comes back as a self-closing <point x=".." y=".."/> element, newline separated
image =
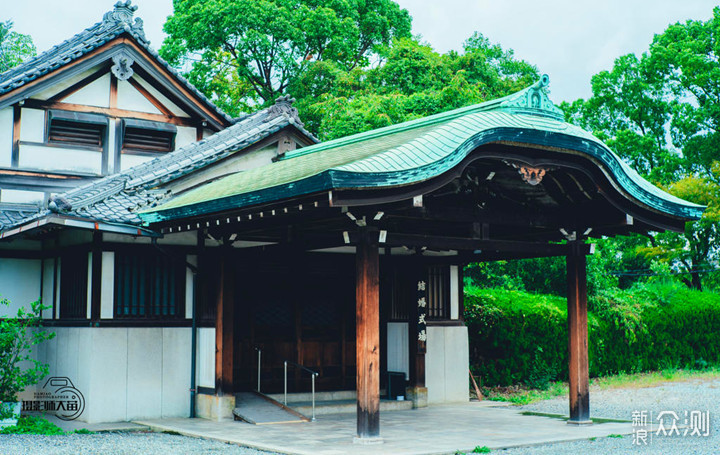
<point x="114" y="23"/>
<point x="114" y="198"/>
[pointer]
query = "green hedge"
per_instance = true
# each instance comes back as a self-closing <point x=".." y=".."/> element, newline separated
<point x="520" y="337"/>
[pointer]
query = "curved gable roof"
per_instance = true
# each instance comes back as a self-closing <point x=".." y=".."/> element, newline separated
<point x="417" y="151"/>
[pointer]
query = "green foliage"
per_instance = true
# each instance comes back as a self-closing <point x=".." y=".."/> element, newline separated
<point x="39" y="425"/>
<point x="14" y="47"/>
<point x="244" y="53"/>
<point x="483" y="449"/>
<point x="33" y="425"/>
<point x="18" y="335"/>
<point x="651" y="326"/>
<point x="411" y="80"/>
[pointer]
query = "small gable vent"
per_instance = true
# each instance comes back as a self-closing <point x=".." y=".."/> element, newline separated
<point x="71" y="133"/>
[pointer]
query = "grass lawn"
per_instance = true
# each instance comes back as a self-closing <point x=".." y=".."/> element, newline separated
<point x="521" y="394"/>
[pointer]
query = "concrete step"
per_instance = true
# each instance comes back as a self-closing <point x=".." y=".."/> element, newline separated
<point x="345" y="406"/>
<point x="319" y="396"/>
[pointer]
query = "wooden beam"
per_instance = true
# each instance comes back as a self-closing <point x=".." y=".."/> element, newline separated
<point x="367" y="313"/>
<point x="113" y="92"/>
<point x="224" y="327"/>
<point x="149" y="96"/>
<point x="110" y="112"/>
<point x="578" y="336"/>
<point x="15" y="156"/>
<point x="470" y="244"/>
<point x="80" y="84"/>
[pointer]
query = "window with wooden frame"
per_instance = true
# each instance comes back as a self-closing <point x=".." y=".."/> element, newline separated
<point x="438" y="293"/>
<point x="73" y="285"/>
<point x="76" y="129"/>
<point x="146" y="137"/>
<point x="148" y="285"/>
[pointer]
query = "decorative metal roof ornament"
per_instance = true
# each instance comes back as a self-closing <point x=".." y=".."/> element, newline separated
<point x="533" y="100"/>
<point x="532" y="175"/>
<point x="122" y="66"/>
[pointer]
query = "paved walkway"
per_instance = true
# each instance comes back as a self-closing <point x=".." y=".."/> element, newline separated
<point x="433" y="430"/>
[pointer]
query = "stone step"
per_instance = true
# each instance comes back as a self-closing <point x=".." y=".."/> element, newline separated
<point x="345" y="406"/>
<point x="319" y="396"/>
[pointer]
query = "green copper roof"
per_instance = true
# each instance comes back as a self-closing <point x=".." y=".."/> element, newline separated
<point x="415" y="151"/>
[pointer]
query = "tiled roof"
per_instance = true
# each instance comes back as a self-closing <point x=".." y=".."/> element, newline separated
<point x="113" y="198"/>
<point x="413" y="152"/>
<point x="114" y="24"/>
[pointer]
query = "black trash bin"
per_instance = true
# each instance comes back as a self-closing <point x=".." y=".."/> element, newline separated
<point x="395" y="384"/>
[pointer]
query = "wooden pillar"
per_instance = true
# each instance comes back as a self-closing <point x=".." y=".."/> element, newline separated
<point x="578" y="335"/>
<point x="367" y="308"/>
<point x="417" y="294"/>
<point x="224" y="327"/>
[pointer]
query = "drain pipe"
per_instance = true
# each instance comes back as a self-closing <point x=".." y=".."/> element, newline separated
<point x="193" y="337"/>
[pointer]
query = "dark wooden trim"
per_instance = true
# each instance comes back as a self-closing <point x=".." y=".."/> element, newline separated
<point x="96" y="275"/>
<point x="224" y="327"/>
<point x="149" y="323"/>
<point x="367" y="316"/>
<point x="110" y="112"/>
<point x="206" y="390"/>
<point x="199" y="133"/>
<point x="118" y="144"/>
<point x="149" y="96"/>
<point x="445" y="323"/>
<point x="22" y="254"/>
<point x="112" y="102"/>
<point x="15" y="157"/>
<point x="78" y="85"/>
<point x="55" y="287"/>
<point x="579" y="380"/>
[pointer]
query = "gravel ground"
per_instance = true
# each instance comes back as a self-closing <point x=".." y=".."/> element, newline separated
<point x="695" y="395"/>
<point x="688" y="396"/>
<point x="131" y="443"/>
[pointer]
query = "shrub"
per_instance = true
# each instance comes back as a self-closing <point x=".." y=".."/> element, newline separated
<point x="519" y="337"/>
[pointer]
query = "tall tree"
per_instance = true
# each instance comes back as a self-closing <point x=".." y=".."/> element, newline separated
<point x="661" y="113"/>
<point x="412" y="80"/>
<point x="14" y="47"/>
<point x="245" y="53"/>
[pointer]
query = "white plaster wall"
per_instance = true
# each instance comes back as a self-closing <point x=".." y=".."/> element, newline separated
<point x="123" y="373"/>
<point x="397" y="348"/>
<point x="6" y="127"/>
<point x="447" y="364"/>
<point x="63" y="159"/>
<point x="185" y="135"/>
<point x="454" y="292"/>
<point x="107" y="285"/>
<point x="160" y="97"/>
<point x="32" y="125"/>
<point x="60" y="86"/>
<point x="19" y="283"/>
<point x="22" y="196"/>
<point x="130" y="99"/>
<point x="205" y="361"/>
<point x="128" y="161"/>
<point x="97" y="93"/>
<point x="189" y="286"/>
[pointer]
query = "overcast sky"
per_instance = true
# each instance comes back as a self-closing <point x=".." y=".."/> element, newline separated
<point x="569" y="40"/>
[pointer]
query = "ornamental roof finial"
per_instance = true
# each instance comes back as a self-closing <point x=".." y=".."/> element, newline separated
<point x="122" y="14"/>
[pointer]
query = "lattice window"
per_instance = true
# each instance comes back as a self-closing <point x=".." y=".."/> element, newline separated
<point x="438" y="293"/>
<point x="148" y="286"/>
<point x="73" y="285"/>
